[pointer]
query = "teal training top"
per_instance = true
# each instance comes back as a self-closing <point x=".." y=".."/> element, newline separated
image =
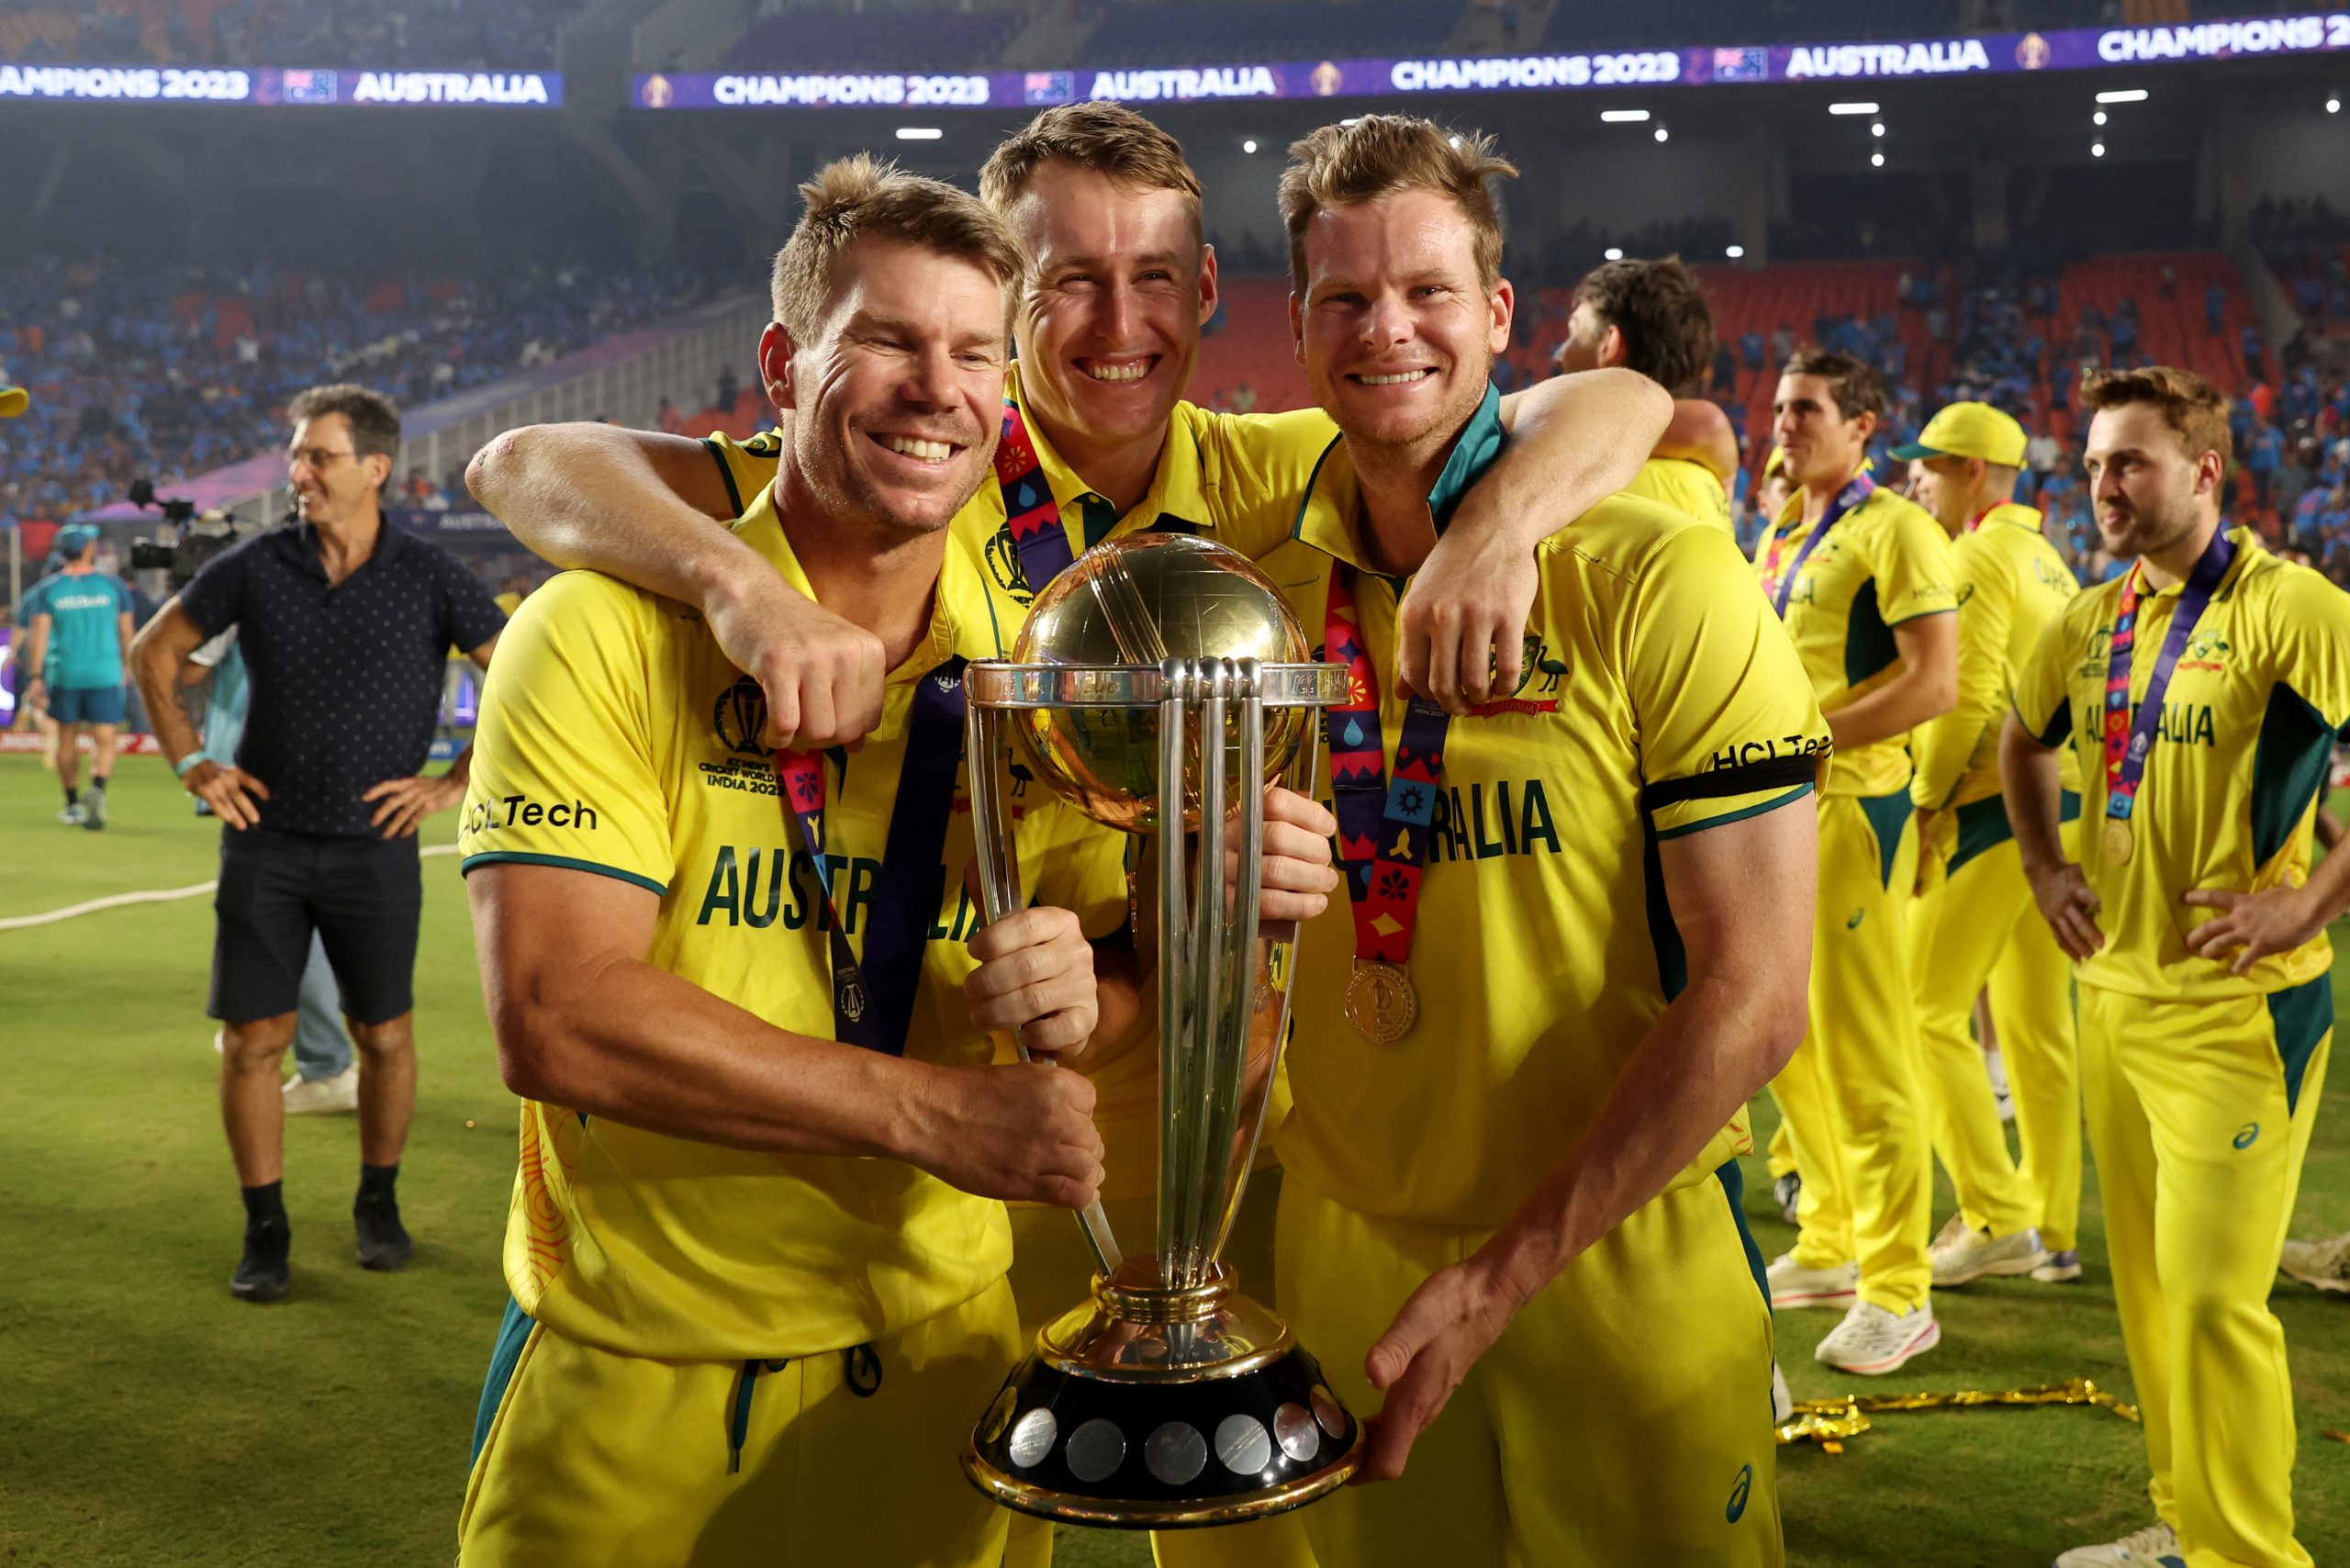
<point x="85" y="648"/>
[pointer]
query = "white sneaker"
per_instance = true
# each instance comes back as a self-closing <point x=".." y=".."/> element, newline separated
<point x="2325" y="1264"/>
<point x="1792" y="1284"/>
<point x="2156" y="1544"/>
<point x="74" y="815"/>
<point x="1971" y="1254"/>
<point x="323" y="1096"/>
<point x="1872" y="1340"/>
<point x="1782" y="1403"/>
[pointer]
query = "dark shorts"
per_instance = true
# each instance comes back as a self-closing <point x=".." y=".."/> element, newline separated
<point x="362" y="896"/>
<point x="87" y="705"/>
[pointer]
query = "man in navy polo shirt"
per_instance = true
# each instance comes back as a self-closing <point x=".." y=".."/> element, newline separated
<point x="345" y="623"/>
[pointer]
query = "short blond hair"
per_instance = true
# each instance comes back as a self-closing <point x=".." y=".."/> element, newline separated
<point x="2190" y="405"/>
<point x="862" y="197"/>
<point x="1380" y="155"/>
<point x="1109" y="138"/>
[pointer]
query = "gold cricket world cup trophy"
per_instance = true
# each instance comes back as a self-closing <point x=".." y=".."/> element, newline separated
<point x="1159" y="683"/>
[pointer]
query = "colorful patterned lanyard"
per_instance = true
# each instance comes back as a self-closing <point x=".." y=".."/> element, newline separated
<point x="1033" y="517"/>
<point x="1383" y="822"/>
<point x="873" y="1002"/>
<point x="2129" y="739"/>
<point x="1780" y="588"/>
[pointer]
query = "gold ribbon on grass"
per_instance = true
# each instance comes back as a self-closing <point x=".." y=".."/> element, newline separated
<point x="1829" y="1422"/>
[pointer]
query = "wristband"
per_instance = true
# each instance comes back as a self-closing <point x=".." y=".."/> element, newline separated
<point x="187" y="762"/>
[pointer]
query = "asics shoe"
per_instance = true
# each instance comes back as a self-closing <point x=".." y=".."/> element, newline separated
<point x="2156" y="1546"/>
<point x="1873" y="1341"/>
<point x="1794" y="1285"/>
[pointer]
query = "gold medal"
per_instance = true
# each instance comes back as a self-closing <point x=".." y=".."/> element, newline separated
<point x="2119" y="840"/>
<point x="1381" y="1003"/>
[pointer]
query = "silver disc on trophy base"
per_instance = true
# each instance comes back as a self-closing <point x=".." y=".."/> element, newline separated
<point x="1161" y="680"/>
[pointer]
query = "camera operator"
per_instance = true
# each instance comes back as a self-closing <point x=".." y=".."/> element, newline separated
<point x="343" y="621"/>
<point x="78" y="629"/>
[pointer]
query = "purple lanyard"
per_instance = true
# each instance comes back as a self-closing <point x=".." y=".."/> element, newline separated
<point x="1847" y="498"/>
<point x="873" y="1002"/>
<point x="2129" y="739"/>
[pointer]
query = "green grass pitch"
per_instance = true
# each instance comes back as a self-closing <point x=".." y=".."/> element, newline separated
<point x="148" y="1418"/>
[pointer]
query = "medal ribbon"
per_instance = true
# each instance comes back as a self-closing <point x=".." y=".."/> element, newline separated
<point x="1382" y="823"/>
<point x="1780" y="588"/>
<point x="873" y="1002"/>
<point x="2128" y="740"/>
<point x="1029" y="510"/>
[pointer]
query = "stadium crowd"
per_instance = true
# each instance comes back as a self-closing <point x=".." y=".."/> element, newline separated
<point x="137" y="370"/>
<point x="517" y="35"/>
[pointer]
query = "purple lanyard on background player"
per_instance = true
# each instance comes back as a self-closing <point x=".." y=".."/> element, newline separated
<point x="1847" y="498"/>
<point x="2129" y="739"/>
<point x="873" y="1002"/>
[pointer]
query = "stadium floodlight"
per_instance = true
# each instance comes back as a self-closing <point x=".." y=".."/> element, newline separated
<point x="918" y="133"/>
<point x="1736" y="253"/>
<point x="2097" y="119"/>
<point x="1249" y="145"/>
<point x="2123" y="96"/>
<point x="1877" y="129"/>
<point x="1623" y="116"/>
<point x="1663" y="134"/>
<point x="2334" y="105"/>
<point x="1614" y="252"/>
<point x="1852" y="108"/>
<point x="2097" y="148"/>
<point x="1876" y="160"/>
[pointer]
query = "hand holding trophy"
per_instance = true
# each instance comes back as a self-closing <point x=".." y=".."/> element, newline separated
<point x="1159" y="685"/>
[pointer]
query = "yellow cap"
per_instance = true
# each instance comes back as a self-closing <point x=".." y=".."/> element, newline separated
<point x="14" y="400"/>
<point x="1775" y="464"/>
<point x="1968" y="429"/>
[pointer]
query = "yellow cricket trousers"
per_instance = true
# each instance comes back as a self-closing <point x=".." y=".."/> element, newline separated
<point x="2199" y="1114"/>
<point x="590" y="1459"/>
<point x="1850" y="1097"/>
<point x="1623" y="1417"/>
<point x="1977" y="925"/>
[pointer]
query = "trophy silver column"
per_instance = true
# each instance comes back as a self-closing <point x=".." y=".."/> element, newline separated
<point x="1159" y="683"/>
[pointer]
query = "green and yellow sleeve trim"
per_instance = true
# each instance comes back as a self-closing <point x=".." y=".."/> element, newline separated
<point x="563" y="862"/>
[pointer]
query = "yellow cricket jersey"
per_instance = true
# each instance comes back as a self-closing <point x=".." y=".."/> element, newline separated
<point x="617" y="740"/>
<point x="2231" y="785"/>
<point x="2011" y="584"/>
<point x="1659" y="699"/>
<point x="1688" y="487"/>
<point x="1235" y="478"/>
<point x="1886" y="562"/>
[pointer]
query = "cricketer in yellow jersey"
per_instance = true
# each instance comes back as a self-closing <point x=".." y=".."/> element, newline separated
<point x="2196" y="925"/>
<point x="765" y="1139"/>
<point x="1494" y="1221"/>
<point x="1108" y="326"/>
<point x="1974" y="924"/>
<point x="1863" y="579"/>
<point x="1650" y="317"/>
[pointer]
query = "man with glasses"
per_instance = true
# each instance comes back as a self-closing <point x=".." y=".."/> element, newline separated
<point x="343" y="623"/>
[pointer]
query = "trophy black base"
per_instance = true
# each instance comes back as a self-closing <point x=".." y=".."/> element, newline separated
<point x="1136" y="1422"/>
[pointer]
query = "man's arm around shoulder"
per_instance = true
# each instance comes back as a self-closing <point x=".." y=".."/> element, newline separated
<point x="649" y="508"/>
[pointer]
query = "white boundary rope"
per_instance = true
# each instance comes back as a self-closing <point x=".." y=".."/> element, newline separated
<point x="147" y="895"/>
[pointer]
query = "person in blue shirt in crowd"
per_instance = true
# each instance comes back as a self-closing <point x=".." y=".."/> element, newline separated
<point x="78" y="628"/>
